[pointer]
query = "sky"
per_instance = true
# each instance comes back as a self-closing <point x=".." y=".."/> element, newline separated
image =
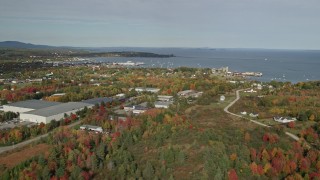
<point x="271" y="24"/>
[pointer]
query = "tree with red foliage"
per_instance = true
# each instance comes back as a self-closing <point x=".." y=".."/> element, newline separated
<point x="291" y="124"/>
<point x="278" y="164"/>
<point x="64" y="177"/>
<point x="102" y="110"/>
<point x="73" y="117"/>
<point x="54" y="178"/>
<point x="265" y="137"/>
<point x="67" y="121"/>
<point x="304" y="165"/>
<point x="85" y="175"/>
<point x="312" y="155"/>
<point x="314" y="175"/>
<point x="232" y="175"/>
<point x="273" y="138"/>
<point x="9" y="97"/>
<point x="297" y="147"/>
<point x="260" y="170"/>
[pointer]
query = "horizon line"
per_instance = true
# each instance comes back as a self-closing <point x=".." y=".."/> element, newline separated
<point x="160" y="47"/>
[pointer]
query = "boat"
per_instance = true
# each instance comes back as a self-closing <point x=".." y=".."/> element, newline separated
<point x="130" y="63"/>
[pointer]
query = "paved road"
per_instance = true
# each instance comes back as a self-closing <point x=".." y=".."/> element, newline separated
<point x="226" y="109"/>
<point x="8" y="148"/>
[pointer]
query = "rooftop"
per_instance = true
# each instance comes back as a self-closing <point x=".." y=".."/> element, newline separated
<point x="97" y="100"/>
<point x="161" y="103"/>
<point x="164" y="96"/>
<point x="90" y="126"/>
<point x="58" y="109"/>
<point x="147" y="89"/>
<point x="33" y="104"/>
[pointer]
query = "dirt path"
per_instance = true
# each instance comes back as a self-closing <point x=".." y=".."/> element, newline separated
<point x="226" y="109"/>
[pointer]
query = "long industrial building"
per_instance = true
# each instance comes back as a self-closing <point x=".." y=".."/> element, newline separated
<point x="46" y="115"/>
<point x="29" y="105"/>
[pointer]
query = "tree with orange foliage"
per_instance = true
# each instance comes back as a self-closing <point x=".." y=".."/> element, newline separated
<point x="247" y="137"/>
<point x="192" y="86"/>
<point x="233" y="156"/>
<point x="312" y="117"/>
<point x="253" y="154"/>
<point x="254" y="168"/>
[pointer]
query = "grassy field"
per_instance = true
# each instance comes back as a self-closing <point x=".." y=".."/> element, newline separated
<point x="13" y="158"/>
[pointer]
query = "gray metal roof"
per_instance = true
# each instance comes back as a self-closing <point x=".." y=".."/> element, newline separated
<point x="33" y="104"/>
<point x="58" y="109"/>
<point x="162" y="103"/>
<point x="98" y="100"/>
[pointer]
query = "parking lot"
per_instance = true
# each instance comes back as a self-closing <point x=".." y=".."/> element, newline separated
<point x="15" y="123"/>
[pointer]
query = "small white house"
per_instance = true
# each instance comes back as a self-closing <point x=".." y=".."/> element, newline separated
<point x="128" y="108"/>
<point x="135" y="109"/>
<point x="139" y="109"/>
<point x="96" y="129"/>
<point x="161" y="104"/>
<point x="190" y="93"/>
<point x="284" y="119"/>
<point x="142" y="89"/>
<point x="222" y="98"/>
<point x="120" y="95"/>
<point x="254" y="115"/>
<point x="165" y="98"/>
<point x="243" y="113"/>
<point x="259" y="87"/>
<point x="250" y="91"/>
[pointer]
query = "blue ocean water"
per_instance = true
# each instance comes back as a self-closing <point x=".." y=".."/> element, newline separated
<point x="279" y="65"/>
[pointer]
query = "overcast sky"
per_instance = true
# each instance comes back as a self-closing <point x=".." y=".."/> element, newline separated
<point x="275" y="24"/>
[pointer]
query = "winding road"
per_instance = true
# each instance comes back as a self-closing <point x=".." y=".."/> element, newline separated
<point x="226" y="109"/>
<point x="24" y="143"/>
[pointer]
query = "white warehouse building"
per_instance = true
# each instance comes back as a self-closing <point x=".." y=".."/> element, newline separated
<point x="29" y="105"/>
<point x="46" y="115"/>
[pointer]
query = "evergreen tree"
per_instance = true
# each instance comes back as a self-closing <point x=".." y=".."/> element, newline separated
<point x="45" y="173"/>
<point x="101" y="151"/>
<point x="148" y="171"/>
<point x="181" y="157"/>
<point x="60" y="172"/>
<point x="75" y="173"/>
<point x="171" y="177"/>
<point x="138" y="173"/>
<point x="41" y="161"/>
<point x="94" y="162"/>
<point x="218" y="175"/>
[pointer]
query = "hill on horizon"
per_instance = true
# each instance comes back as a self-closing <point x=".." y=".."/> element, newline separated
<point x="18" y="44"/>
